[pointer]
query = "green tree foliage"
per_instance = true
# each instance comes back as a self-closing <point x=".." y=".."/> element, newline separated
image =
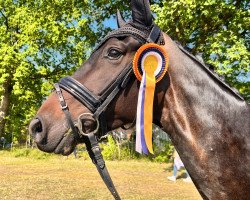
<point x="218" y="30"/>
<point x="41" y="41"/>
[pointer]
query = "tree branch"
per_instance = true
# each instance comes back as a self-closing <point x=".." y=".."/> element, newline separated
<point x="6" y="20"/>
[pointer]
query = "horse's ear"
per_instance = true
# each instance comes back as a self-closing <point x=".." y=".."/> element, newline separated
<point x="120" y="20"/>
<point x="141" y="13"/>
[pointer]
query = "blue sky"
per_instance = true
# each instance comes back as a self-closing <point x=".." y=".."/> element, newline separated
<point x="110" y="23"/>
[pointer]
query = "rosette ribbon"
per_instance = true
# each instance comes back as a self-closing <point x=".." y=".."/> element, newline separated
<point x="149" y="66"/>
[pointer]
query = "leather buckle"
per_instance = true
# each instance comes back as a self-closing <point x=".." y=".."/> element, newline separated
<point x="64" y="107"/>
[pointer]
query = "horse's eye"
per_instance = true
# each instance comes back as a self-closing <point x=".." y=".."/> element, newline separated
<point x="114" y="53"/>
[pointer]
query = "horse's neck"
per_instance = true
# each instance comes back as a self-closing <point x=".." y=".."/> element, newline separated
<point x="200" y="116"/>
<point x="196" y="101"/>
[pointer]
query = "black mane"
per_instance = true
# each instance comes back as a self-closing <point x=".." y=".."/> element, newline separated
<point x="210" y="70"/>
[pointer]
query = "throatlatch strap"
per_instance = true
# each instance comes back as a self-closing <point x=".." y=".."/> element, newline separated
<point x="96" y="156"/>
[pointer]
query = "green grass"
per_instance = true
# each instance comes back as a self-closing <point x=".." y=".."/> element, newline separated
<point x="57" y="177"/>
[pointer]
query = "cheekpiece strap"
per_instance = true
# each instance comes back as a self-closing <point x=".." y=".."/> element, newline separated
<point x="154" y="34"/>
<point x="65" y="109"/>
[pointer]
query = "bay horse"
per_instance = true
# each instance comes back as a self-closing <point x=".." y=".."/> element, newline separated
<point x="208" y="123"/>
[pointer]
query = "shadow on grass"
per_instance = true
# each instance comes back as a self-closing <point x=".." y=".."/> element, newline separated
<point x="168" y="168"/>
<point x="181" y="173"/>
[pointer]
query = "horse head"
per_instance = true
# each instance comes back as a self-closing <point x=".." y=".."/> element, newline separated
<point x="103" y="89"/>
<point x="207" y="121"/>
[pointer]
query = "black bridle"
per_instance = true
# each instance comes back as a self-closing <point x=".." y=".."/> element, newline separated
<point x="98" y="104"/>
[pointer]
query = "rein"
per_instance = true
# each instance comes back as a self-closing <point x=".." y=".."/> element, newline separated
<point x="98" y="104"/>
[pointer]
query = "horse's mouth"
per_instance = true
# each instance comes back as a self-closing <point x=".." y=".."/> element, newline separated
<point x="67" y="144"/>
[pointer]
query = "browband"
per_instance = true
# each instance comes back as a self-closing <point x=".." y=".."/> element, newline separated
<point x="145" y="35"/>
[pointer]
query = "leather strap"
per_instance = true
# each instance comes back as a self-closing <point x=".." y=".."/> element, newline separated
<point x="154" y="34"/>
<point x="142" y="35"/>
<point x="80" y="92"/>
<point x="113" y="94"/>
<point x="94" y="151"/>
<point x="65" y="109"/>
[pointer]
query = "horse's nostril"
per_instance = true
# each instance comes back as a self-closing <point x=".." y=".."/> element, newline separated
<point x="38" y="127"/>
<point x="35" y="127"/>
<point x="37" y="130"/>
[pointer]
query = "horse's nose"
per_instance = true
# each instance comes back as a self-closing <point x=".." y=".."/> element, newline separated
<point x="37" y="130"/>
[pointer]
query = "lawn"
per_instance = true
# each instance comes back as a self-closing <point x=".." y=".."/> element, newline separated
<point x="58" y="177"/>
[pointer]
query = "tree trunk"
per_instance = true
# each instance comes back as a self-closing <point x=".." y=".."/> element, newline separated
<point x="4" y="105"/>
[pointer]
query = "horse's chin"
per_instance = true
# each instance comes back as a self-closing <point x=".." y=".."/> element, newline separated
<point x="64" y="145"/>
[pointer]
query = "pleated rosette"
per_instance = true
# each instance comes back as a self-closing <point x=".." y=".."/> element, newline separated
<point x="149" y="65"/>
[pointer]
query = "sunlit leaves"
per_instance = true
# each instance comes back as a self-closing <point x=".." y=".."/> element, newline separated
<point x="41" y="41"/>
